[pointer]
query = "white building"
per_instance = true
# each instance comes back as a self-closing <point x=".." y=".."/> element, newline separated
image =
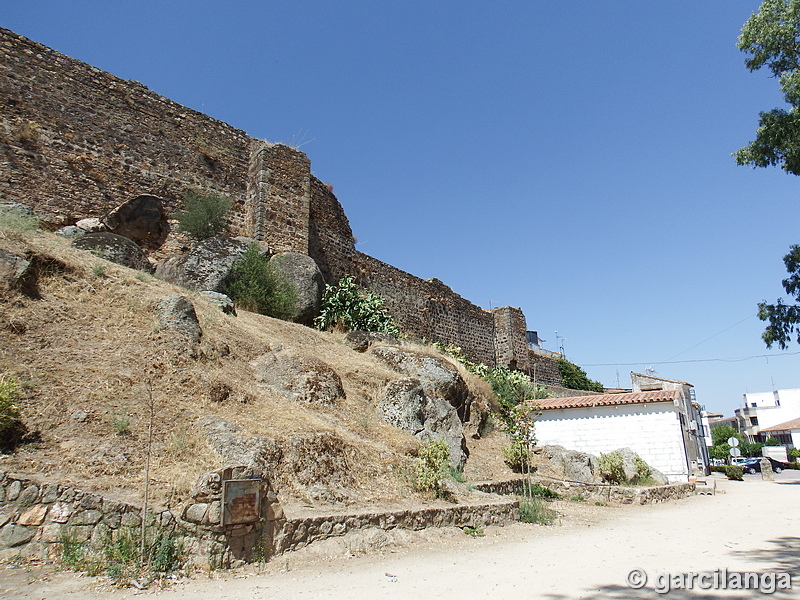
<point x="764" y="410"/>
<point x="788" y="433"/>
<point x="654" y="424"/>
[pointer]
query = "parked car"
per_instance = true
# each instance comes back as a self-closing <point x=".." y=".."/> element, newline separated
<point x="753" y="465"/>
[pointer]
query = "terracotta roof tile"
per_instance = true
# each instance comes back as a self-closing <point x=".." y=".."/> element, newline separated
<point x="788" y="426"/>
<point x="610" y="399"/>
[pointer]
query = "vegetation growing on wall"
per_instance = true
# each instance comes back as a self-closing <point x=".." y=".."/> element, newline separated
<point x="203" y="214"/>
<point x="516" y="404"/>
<point x="257" y="286"/>
<point x="575" y="378"/>
<point x="346" y="307"/>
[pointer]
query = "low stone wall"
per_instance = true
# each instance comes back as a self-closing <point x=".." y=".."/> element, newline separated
<point x="301" y="531"/>
<point x="613" y="494"/>
<point x="36" y="517"/>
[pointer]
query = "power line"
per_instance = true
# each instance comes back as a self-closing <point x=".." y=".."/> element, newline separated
<point x="711" y="337"/>
<point x="697" y="360"/>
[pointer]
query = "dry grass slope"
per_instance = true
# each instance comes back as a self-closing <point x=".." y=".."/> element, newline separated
<point x="87" y="349"/>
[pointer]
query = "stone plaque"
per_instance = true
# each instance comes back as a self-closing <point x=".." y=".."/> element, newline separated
<point x="241" y="501"/>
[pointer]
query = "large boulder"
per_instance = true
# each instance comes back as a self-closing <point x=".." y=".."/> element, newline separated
<point x="318" y="466"/>
<point x="114" y="248"/>
<point x="14" y="270"/>
<point x="401" y="405"/>
<point x="360" y="341"/>
<point x="176" y="313"/>
<point x="439" y="377"/>
<point x="571" y="464"/>
<point x="207" y="266"/>
<point x="631" y="468"/>
<point x="237" y="448"/>
<point x="304" y="274"/>
<point x="298" y="377"/>
<point x="405" y="405"/>
<point x="141" y="219"/>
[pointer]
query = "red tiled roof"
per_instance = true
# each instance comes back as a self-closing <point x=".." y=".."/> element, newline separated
<point x="788" y="426"/>
<point x="610" y="399"/>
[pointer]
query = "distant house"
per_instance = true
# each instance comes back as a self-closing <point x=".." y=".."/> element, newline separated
<point x="788" y="433"/>
<point x="656" y="424"/>
<point x="765" y="410"/>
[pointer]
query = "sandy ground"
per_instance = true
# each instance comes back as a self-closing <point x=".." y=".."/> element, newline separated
<point x="750" y="526"/>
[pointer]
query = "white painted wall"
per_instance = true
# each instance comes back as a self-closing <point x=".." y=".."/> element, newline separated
<point x="796" y="438"/>
<point x="653" y="431"/>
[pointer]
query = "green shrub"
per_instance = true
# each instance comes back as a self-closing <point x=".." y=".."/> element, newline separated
<point x="13" y="220"/>
<point x="432" y="466"/>
<point x="517" y="456"/>
<point x="203" y="214"/>
<point x="734" y="472"/>
<point x="643" y="470"/>
<point x="575" y="378"/>
<point x="537" y="490"/>
<point x="794" y="453"/>
<point x="120" y="556"/>
<point x="611" y="468"/>
<point x="9" y="413"/>
<point x="473" y="531"/>
<point x="535" y="510"/>
<point x="346" y="307"/>
<point x="120" y="424"/>
<point x="256" y="285"/>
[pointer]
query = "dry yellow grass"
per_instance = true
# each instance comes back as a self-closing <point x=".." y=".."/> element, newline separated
<point x="90" y="344"/>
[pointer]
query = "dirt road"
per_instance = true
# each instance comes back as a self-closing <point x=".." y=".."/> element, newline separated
<point x="751" y="526"/>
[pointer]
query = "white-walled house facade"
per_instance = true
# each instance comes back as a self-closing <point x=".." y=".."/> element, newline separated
<point x="649" y="423"/>
<point x="788" y="433"/>
<point x="765" y="410"/>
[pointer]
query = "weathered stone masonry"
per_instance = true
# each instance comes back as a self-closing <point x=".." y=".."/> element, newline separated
<point x="76" y="142"/>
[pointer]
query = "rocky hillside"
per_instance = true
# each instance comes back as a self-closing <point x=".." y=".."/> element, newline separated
<point x="114" y="368"/>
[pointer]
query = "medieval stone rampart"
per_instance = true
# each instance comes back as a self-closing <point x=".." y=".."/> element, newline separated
<point x="77" y="142"/>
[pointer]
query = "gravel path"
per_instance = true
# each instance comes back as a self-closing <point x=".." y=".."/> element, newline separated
<point x="750" y="526"/>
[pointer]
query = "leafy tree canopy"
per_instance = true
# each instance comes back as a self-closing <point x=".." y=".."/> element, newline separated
<point x="784" y="319"/>
<point x="575" y="378"/>
<point x="721" y="433"/>
<point x="772" y="39"/>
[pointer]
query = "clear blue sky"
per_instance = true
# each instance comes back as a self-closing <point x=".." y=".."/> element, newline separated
<point x="570" y="158"/>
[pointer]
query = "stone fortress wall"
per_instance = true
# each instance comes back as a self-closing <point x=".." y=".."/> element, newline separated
<point x="77" y="142"/>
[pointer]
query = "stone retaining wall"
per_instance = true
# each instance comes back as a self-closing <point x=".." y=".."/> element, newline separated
<point x="301" y="531"/>
<point x="36" y="517"/>
<point x="613" y="494"/>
